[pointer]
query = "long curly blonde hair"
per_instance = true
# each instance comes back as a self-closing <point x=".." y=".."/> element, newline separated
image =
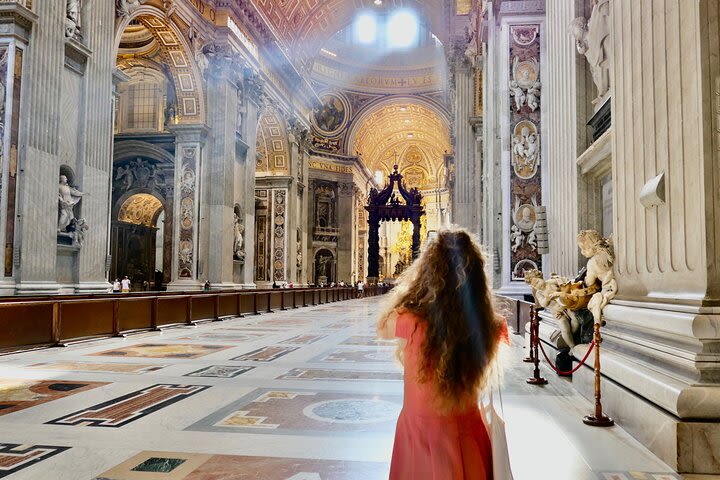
<point x="446" y="287"/>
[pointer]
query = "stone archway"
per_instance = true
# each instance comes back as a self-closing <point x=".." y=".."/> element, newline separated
<point x="324" y="267"/>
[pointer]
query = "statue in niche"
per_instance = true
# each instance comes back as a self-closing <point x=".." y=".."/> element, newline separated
<point x="592" y="39"/>
<point x="3" y="88"/>
<point x="197" y="46"/>
<point x="77" y="229"/>
<point x="323" y="261"/>
<point x="239" y="242"/>
<point x="299" y="257"/>
<point x="72" y="19"/>
<point x="68" y="197"/>
<point x="125" y="8"/>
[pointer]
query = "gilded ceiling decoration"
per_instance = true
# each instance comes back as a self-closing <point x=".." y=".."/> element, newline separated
<point x="272" y="143"/>
<point x="136" y="43"/>
<point x="305" y="25"/>
<point x="140" y="209"/>
<point x="412" y="135"/>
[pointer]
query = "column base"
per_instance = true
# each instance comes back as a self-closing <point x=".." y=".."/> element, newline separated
<point x="38" y="288"/>
<point x="89" y="288"/>
<point x="184" y="286"/>
<point x="7" y="288"/>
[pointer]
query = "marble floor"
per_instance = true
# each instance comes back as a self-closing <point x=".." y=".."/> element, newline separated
<point x="303" y="394"/>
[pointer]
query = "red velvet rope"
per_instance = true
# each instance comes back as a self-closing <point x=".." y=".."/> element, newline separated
<point x="582" y="362"/>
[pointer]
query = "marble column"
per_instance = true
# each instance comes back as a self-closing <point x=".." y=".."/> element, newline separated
<point x="189" y="155"/>
<point x="465" y="205"/>
<point x="97" y="117"/>
<point x="660" y="350"/>
<point x="559" y="96"/>
<point x="219" y="172"/>
<point x="14" y="39"/>
<point x="346" y="222"/>
<point x="38" y="162"/>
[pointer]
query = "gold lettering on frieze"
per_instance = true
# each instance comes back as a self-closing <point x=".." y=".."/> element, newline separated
<point x="412" y="81"/>
<point x="329" y="167"/>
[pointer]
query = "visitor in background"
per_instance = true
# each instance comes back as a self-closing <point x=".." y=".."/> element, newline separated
<point x="206" y="287"/>
<point x="441" y="310"/>
<point x="360" y="289"/>
<point x="117" y="287"/>
<point x="275" y="285"/>
<point x="125" y="284"/>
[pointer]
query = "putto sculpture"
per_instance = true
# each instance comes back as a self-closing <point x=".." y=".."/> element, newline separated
<point x="575" y="302"/>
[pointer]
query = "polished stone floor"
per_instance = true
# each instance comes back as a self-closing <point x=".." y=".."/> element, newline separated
<point x="304" y="395"/>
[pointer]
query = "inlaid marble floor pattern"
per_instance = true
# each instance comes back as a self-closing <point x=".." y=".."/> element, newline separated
<point x="302" y="394"/>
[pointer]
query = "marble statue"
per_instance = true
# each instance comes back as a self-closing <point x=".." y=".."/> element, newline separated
<point x="3" y="88"/>
<point x="72" y="18"/>
<point x="197" y="45"/>
<point x="323" y="264"/>
<point x="299" y="257"/>
<point x="526" y="151"/>
<point x="79" y="229"/>
<point x="532" y="240"/>
<point x="517" y="92"/>
<point x="68" y="197"/>
<point x="548" y="294"/>
<point x="601" y="257"/>
<point x="126" y="177"/>
<point x="239" y="242"/>
<point x="516" y="238"/>
<point x="592" y="40"/>
<point x="533" y="95"/>
<point x="125" y="8"/>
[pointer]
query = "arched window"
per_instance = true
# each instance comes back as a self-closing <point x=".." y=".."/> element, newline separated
<point x="142" y="101"/>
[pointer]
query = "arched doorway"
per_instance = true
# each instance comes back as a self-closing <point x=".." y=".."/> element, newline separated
<point x="137" y="240"/>
<point x="324" y="267"/>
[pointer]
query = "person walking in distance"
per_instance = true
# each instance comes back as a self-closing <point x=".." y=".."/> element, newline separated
<point x="442" y="313"/>
<point x="125" y="283"/>
<point x="360" y="289"/>
<point x="116" y="286"/>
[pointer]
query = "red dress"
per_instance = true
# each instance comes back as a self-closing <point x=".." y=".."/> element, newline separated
<point x="428" y="444"/>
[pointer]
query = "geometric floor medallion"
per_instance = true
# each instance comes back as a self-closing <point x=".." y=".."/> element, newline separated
<point x="14" y="457"/>
<point x="128" y="408"/>
<point x="21" y="394"/>
<point x="163" y="350"/>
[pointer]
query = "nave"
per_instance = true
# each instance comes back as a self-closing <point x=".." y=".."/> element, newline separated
<point x="300" y="394"/>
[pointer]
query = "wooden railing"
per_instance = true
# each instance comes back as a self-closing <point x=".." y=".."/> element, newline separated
<point x="31" y="322"/>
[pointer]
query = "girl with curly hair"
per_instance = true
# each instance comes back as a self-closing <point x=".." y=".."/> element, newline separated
<point x="442" y="312"/>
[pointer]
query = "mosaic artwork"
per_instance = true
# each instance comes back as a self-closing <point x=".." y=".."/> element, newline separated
<point x="350" y="375"/>
<point x="304" y="339"/>
<point x="18" y="395"/>
<point x="163" y="350"/>
<point x="305" y="412"/>
<point x="15" y="457"/>
<point x="265" y="354"/>
<point x="132" y="368"/>
<point x="219" y="371"/>
<point x="195" y="466"/>
<point x="357" y="356"/>
<point x="369" y="341"/>
<point x="128" y="408"/>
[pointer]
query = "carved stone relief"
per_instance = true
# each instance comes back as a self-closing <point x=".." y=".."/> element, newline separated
<point x="279" y="229"/>
<point x="72" y="19"/>
<point x="526" y="152"/>
<point x="187" y="212"/>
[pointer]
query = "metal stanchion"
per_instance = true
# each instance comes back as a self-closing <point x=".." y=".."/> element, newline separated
<point x="536" y="379"/>
<point x="530" y="358"/>
<point x="599" y="419"/>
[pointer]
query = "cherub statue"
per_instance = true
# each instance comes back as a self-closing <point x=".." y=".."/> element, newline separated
<point x="601" y="257"/>
<point x="533" y="96"/>
<point x="518" y="93"/>
<point x="516" y="238"/>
